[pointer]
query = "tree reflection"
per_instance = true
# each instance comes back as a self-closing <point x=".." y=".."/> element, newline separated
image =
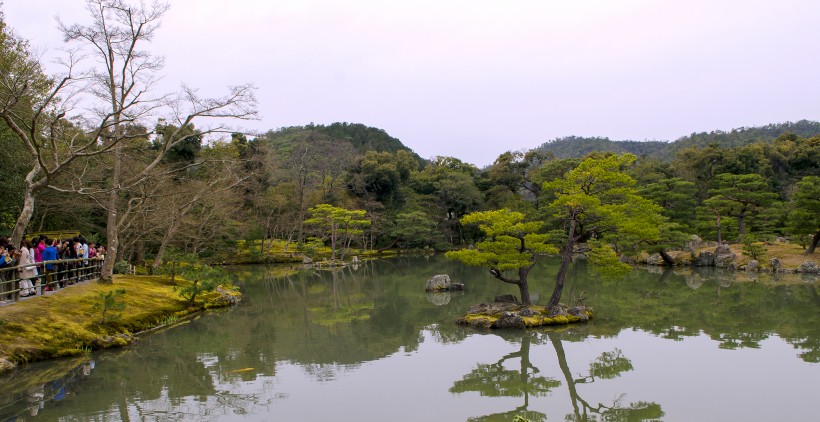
<point x="494" y="380"/>
<point x="607" y="366"/>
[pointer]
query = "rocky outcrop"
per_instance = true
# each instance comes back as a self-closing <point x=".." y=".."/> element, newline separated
<point x="752" y="265"/>
<point x="580" y="312"/>
<point x="226" y="297"/>
<point x="775" y="264"/>
<point x="809" y="268"/>
<point x="704" y="259"/>
<point x="724" y="256"/>
<point x="5" y="365"/>
<point x="509" y="320"/>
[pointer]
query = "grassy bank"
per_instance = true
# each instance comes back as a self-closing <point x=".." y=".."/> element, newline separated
<point x="72" y="321"/>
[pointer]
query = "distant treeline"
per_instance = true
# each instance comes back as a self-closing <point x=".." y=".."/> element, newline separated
<point x="579" y="146"/>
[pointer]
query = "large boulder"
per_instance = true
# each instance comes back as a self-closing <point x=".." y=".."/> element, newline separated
<point x="654" y="259"/>
<point x="509" y="320"/>
<point x="724" y="256"/>
<point x="438" y="283"/>
<point x="775" y="264"/>
<point x="580" y="312"/>
<point x="809" y="268"/>
<point x="753" y="265"/>
<point x="682" y="258"/>
<point x="704" y="259"/>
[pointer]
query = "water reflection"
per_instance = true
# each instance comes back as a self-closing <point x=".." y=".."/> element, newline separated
<point x="499" y="379"/>
<point x="495" y="380"/>
<point x="29" y="390"/>
<point x="363" y="339"/>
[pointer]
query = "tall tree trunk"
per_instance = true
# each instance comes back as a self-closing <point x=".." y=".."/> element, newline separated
<point x="562" y="271"/>
<point x="814" y="241"/>
<point x="523" y="285"/>
<point x="112" y="231"/>
<point x="741" y="225"/>
<point x="25" y="214"/>
<point x="166" y="239"/>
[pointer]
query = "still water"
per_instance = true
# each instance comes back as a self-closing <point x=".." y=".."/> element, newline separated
<point x="368" y="344"/>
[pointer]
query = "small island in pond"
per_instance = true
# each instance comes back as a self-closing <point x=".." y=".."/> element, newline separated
<point x="512" y="315"/>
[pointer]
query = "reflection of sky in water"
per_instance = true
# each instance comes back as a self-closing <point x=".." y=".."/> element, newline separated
<point x="256" y="363"/>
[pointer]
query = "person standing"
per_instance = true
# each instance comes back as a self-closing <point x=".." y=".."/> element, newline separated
<point x="49" y="256"/>
<point x="84" y="255"/>
<point x="27" y="270"/>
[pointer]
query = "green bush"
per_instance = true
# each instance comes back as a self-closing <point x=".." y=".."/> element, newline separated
<point x="203" y="278"/>
<point x="753" y="249"/>
<point x="121" y="267"/>
<point x="107" y="302"/>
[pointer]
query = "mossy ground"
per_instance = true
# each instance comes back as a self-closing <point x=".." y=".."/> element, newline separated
<point x="791" y="255"/>
<point x="66" y="324"/>
<point x="540" y="317"/>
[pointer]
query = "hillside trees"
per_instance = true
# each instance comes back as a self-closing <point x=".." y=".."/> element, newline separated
<point x="120" y="90"/>
<point x="337" y="224"/>
<point x="739" y="196"/>
<point x="34" y="108"/>
<point x="804" y="216"/>
<point x="597" y="200"/>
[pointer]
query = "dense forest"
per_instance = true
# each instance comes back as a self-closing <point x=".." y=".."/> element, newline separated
<point x="149" y="179"/>
<point x="577" y="147"/>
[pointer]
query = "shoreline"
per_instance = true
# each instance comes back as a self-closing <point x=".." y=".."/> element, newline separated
<point x="77" y="321"/>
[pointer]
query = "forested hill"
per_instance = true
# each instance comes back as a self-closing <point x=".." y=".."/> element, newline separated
<point x="362" y="138"/>
<point x="576" y="147"/>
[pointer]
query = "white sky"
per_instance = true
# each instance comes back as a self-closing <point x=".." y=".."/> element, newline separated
<point x="475" y="78"/>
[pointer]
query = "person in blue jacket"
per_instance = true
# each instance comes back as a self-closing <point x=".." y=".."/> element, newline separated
<point x="49" y="254"/>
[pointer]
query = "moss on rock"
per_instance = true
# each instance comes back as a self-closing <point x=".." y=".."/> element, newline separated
<point x="506" y="316"/>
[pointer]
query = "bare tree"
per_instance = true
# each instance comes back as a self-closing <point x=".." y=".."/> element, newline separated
<point x="120" y="85"/>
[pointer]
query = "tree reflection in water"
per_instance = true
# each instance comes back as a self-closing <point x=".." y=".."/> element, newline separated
<point x="495" y="380"/>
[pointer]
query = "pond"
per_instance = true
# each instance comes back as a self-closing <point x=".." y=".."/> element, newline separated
<point x="367" y="343"/>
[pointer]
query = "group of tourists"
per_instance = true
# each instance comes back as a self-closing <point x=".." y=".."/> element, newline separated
<point x="41" y="261"/>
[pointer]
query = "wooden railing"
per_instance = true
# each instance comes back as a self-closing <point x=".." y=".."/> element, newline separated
<point x="65" y="272"/>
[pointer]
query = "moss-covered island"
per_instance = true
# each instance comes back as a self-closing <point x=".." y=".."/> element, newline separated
<point x="92" y="316"/>
<point x="512" y="315"/>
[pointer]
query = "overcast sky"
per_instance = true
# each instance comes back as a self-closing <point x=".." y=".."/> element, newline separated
<point x="473" y="79"/>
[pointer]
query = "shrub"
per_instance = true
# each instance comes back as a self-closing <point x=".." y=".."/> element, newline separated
<point x="107" y="302"/>
<point x="753" y="249"/>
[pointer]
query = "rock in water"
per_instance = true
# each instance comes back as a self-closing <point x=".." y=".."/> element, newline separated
<point x="438" y="283"/>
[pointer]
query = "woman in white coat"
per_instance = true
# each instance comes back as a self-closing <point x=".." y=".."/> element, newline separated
<point x="27" y="269"/>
